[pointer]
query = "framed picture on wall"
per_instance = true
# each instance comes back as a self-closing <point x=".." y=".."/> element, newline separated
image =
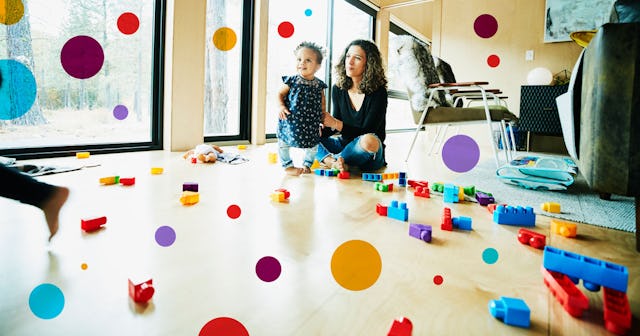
<point x="562" y="17"/>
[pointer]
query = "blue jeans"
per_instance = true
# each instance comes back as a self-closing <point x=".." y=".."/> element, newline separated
<point x="285" y="156"/>
<point x="352" y="153"/>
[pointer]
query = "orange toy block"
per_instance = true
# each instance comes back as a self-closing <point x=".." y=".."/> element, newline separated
<point x="273" y="157"/>
<point x="141" y="293"/>
<point x="93" y="224"/>
<point x="550" y="207"/>
<point x="563" y="228"/>
<point x="189" y="198"/>
<point x="108" y="180"/>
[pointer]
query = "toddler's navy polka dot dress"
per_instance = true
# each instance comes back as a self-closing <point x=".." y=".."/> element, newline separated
<point x="301" y="128"/>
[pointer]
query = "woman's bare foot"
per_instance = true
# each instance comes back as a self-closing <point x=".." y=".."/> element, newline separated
<point x="294" y="171"/>
<point x="306" y="170"/>
<point x="51" y="208"/>
<point x="339" y="165"/>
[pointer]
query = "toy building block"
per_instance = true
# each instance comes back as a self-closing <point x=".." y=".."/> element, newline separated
<point x="469" y="191"/>
<point x="371" y="177"/>
<point x="617" y="313"/>
<point x="566" y="292"/>
<point x="593" y="272"/>
<point x="437" y="187"/>
<point x="381" y="209"/>
<point x="422" y="192"/>
<point x="285" y="192"/>
<point x="194" y="160"/>
<point x="331" y="172"/>
<point x="514" y="215"/>
<point x="93" y="224"/>
<point x="484" y="199"/>
<point x="157" y="170"/>
<point x="414" y="184"/>
<point x="190" y="186"/>
<point x="447" y="222"/>
<point x="401" y="327"/>
<point x="492" y="207"/>
<point x="531" y="238"/>
<point x="550" y="207"/>
<point x="389" y="176"/>
<point x="319" y="172"/>
<point x="563" y="228"/>
<point x="462" y="223"/>
<point x="315" y="165"/>
<point x="82" y="155"/>
<point x="242" y="147"/>
<point x="383" y="187"/>
<point x="278" y="196"/>
<point x="402" y="179"/>
<point x="142" y="292"/>
<point x="273" y="157"/>
<point x="420" y="231"/>
<point x="398" y="211"/>
<point x="511" y="311"/>
<point x="189" y="198"/>
<point x="108" y="180"/>
<point x="451" y="193"/>
<point x="343" y="175"/>
<point x="127" y="181"/>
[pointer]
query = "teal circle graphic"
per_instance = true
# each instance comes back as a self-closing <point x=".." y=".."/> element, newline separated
<point x="46" y="301"/>
<point x="17" y="89"/>
<point x="490" y="255"/>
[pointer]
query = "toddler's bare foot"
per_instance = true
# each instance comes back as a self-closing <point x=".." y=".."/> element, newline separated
<point x="340" y="165"/>
<point x="293" y="171"/>
<point x="210" y="158"/>
<point x="51" y="208"/>
<point x="306" y="170"/>
<point x="202" y="158"/>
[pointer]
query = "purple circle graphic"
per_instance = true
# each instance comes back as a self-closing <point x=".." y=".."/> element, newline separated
<point x="460" y="153"/>
<point x="120" y="112"/>
<point x="485" y="25"/>
<point x="82" y="57"/>
<point x="268" y="269"/>
<point x="165" y="236"/>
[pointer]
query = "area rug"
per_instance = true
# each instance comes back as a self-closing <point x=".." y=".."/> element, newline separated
<point x="578" y="203"/>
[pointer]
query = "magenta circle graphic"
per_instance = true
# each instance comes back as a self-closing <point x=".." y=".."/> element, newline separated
<point x="268" y="269"/>
<point x="460" y="153"/>
<point x="485" y="25"/>
<point x="82" y="57"/>
<point x="120" y="112"/>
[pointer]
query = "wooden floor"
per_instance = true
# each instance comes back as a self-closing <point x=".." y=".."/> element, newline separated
<point x="209" y="271"/>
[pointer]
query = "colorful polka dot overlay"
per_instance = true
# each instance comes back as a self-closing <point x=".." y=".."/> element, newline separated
<point x="460" y="153"/>
<point x="82" y="57"/>
<point x="490" y="256"/>
<point x="438" y="280"/>
<point x="356" y="265"/>
<point x="493" y="61"/>
<point x="233" y="211"/>
<point x="120" y="112"/>
<point x="17" y="90"/>
<point x="84" y="266"/>
<point x="165" y="236"/>
<point x="268" y="269"/>
<point x="223" y="326"/>
<point x="11" y="11"/>
<point x="46" y="301"/>
<point x="128" y="23"/>
<point x="308" y="12"/>
<point x="285" y="29"/>
<point x="485" y="26"/>
<point x="225" y="39"/>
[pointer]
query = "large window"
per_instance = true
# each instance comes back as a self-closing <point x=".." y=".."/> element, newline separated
<point x="227" y="70"/>
<point x="80" y="74"/>
<point x="291" y="22"/>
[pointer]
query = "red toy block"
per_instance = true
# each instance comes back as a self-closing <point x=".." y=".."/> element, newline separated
<point x="415" y="184"/>
<point x="285" y="191"/>
<point x="343" y="175"/>
<point x="141" y="293"/>
<point x="532" y="239"/>
<point x="447" y="223"/>
<point x="617" y="313"/>
<point x="566" y="292"/>
<point x="194" y="160"/>
<point x="93" y="224"/>
<point x="128" y="181"/>
<point x="401" y="327"/>
<point x="381" y="209"/>
<point x="422" y="192"/>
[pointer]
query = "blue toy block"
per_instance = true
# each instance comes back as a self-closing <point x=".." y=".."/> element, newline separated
<point x="511" y="311"/>
<point x="319" y="172"/>
<point x="420" y="231"/>
<point x="398" y="211"/>
<point x="462" y="223"/>
<point x="451" y="193"/>
<point x="402" y="179"/>
<point x="514" y="215"/>
<point x="331" y="172"/>
<point x="371" y="177"/>
<point x="593" y="272"/>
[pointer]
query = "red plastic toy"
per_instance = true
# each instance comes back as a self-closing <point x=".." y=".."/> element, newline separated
<point x="447" y="223"/>
<point x="617" y="313"/>
<point x="532" y="239"/>
<point x="285" y="192"/>
<point x="94" y="224"/>
<point x="401" y="327"/>
<point x="422" y="192"/>
<point x="381" y="209"/>
<point x="566" y="292"/>
<point x="127" y="181"/>
<point x="141" y="293"/>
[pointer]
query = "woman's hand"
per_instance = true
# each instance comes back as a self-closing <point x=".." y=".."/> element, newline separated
<point x="284" y="112"/>
<point x="328" y="120"/>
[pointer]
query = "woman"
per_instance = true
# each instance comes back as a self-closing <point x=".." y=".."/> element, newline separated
<point x="359" y="111"/>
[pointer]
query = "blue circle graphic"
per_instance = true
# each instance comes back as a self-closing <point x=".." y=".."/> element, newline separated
<point x="308" y="12"/>
<point x="46" y="301"/>
<point x="490" y="255"/>
<point x="17" y="89"/>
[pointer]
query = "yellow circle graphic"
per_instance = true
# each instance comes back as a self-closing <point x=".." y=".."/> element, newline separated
<point x="11" y="11"/>
<point x="356" y="265"/>
<point x="224" y="39"/>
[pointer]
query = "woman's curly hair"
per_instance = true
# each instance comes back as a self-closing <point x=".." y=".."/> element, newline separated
<point x="373" y="77"/>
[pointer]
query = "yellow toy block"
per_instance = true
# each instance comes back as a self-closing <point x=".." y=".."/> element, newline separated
<point x="277" y="196"/>
<point x="189" y="198"/>
<point x="460" y="194"/>
<point x="157" y="170"/>
<point x="273" y="157"/>
<point x="242" y="147"/>
<point x="110" y="180"/>
<point x="315" y="165"/>
<point x="563" y="228"/>
<point x="82" y="155"/>
<point x="550" y="207"/>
